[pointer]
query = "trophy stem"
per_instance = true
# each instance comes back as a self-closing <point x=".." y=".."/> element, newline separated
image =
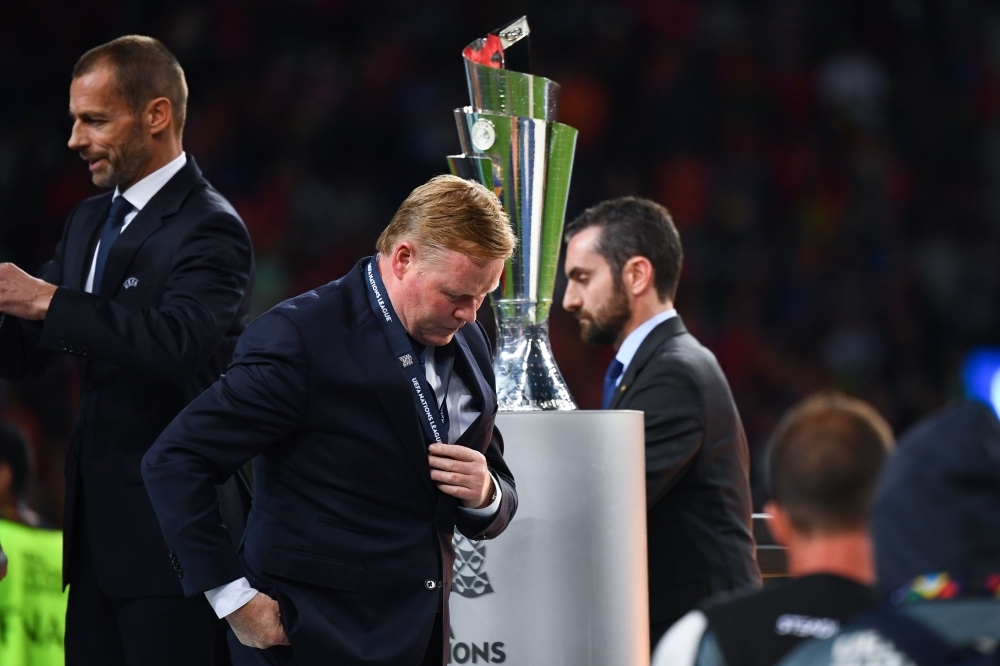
<point x="526" y="372"/>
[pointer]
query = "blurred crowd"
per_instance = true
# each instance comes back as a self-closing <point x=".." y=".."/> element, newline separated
<point x="832" y="167"/>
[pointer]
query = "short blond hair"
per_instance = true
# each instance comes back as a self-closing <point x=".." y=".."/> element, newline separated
<point x="449" y="213"/>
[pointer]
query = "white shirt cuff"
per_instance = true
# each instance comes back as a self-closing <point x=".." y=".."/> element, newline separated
<point x="493" y="507"/>
<point x="230" y="597"/>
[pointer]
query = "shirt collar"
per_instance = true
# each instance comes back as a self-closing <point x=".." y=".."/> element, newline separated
<point x="141" y="192"/>
<point x="632" y="343"/>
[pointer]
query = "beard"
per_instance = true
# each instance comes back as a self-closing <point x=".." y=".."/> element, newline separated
<point x="605" y="324"/>
<point x="123" y="161"/>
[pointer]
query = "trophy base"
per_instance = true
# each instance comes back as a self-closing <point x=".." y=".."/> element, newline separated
<point x="528" y="379"/>
<point x="566" y="583"/>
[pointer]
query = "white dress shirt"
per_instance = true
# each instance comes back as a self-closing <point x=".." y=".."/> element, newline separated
<point x="231" y="597"/>
<point x="139" y="195"/>
<point x="635" y="339"/>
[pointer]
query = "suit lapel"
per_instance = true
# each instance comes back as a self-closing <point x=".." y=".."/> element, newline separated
<point x="164" y="203"/>
<point x="370" y="349"/>
<point x="482" y="394"/>
<point x="128" y="243"/>
<point x="668" y="329"/>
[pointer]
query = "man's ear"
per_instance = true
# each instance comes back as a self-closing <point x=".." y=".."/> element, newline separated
<point x="402" y="259"/>
<point x="779" y="524"/>
<point x="159" y="115"/>
<point x="637" y="276"/>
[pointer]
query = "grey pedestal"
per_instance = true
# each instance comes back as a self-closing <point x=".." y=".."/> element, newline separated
<point x="566" y="583"/>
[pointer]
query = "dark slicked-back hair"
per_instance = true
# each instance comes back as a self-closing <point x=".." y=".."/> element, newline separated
<point x="825" y="459"/>
<point x="143" y="69"/>
<point x="631" y="226"/>
<point x="14" y="452"/>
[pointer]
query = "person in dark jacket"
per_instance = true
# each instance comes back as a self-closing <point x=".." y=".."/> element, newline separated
<point x="935" y="523"/>
<point x="148" y="290"/>
<point x="623" y="264"/>
<point x="825" y="459"/>
<point x="368" y="406"/>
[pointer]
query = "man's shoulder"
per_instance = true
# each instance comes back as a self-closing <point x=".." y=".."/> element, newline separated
<point x="294" y="322"/>
<point x="309" y="305"/>
<point x="873" y="639"/>
<point x="682" y="359"/>
<point x="327" y="302"/>
<point x="206" y="200"/>
<point x="684" y="352"/>
<point x="807" y="607"/>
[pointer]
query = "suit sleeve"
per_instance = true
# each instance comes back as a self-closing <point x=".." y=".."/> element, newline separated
<point x="207" y="282"/>
<point x="20" y="353"/>
<point x="675" y="424"/>
<point x="261" y="400"/>
<point x="488" y="527"/>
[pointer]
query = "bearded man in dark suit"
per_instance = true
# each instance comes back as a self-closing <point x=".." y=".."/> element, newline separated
<point x="623" y="263"/>
<point x="149" y="289"/>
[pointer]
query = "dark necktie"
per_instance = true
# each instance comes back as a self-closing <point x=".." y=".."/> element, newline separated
<point x="610" y="382"/>
<point x="112" y="227"/>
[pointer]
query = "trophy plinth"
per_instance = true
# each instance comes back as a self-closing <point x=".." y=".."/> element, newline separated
<point x="512" y="144"/>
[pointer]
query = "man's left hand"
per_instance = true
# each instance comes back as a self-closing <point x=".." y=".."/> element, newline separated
<point x="461" y="472"/>
<point x="22" y="295"/>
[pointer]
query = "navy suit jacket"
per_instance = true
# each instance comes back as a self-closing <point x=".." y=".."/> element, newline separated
<point x="347" y="531"/>
<point x="144" y="349"/>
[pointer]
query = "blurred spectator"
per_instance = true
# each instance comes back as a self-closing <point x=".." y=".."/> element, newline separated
<point x="936" y="529"/>
<point x="15" y="472"/>
<point x="32" y="600"/>
<point x="825" y="458"/>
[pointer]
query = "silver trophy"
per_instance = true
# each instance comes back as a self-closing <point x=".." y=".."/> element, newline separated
<point x="512" y="143"/>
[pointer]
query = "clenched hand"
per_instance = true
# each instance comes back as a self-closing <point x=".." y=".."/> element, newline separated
<point x="461" y="472"/>
<point x="22" y="295"/>
<point x="257" y="623"/>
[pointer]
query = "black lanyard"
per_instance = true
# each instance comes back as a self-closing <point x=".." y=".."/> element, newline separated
<point x="399" y="342"/>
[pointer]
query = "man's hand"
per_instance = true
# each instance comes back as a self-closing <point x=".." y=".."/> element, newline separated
<point x="22" y="295"/>
<point x="461" y="472"/>
<point x="257" y="623"/>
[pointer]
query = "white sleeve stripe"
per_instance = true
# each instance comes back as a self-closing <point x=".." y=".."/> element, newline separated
<point x="679" y="647"/>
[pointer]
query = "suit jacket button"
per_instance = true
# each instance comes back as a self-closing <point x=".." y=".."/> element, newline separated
<point x="89" y="385"/>
<point x="430" y="584"/>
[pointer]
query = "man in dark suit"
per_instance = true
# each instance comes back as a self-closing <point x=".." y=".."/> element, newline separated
<point x="623" y="261"/>
<point x="149" y="289"/>
<point x="368" y="407"/>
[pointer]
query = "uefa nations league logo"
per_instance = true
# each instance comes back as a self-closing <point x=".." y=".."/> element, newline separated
<point x="469" y="577"/>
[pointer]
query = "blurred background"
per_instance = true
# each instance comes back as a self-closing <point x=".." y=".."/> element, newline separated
<point x="833" y="167"/>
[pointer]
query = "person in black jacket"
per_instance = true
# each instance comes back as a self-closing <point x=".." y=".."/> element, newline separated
<point x="935" y="527"/>
<point x="623" y="263"/>
<point x="149" y="290"/>
<point x="825" y="459"/>
<point x="368" y="408"/>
